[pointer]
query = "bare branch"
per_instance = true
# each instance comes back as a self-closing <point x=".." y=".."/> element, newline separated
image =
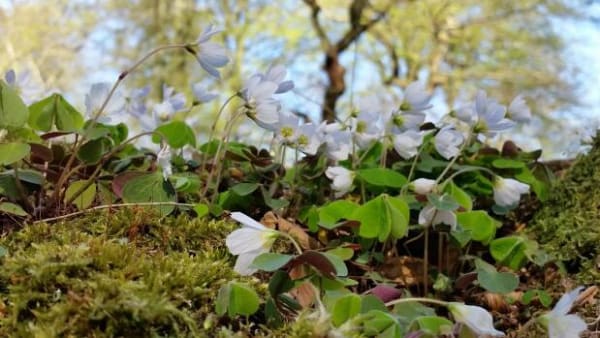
<point x="315" y="10"/>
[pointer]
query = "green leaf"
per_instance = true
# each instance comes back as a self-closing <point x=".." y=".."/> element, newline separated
<point x="331" y="213"/>
<point x="382" y="324"/>
<point x="492" y="280"/>
<point x="540" y="188"/>
<point x="54" y="110"/>
<point x="460" y="196"/>
<point x="269" y="261"/>
<point x="398" y="213"/>
<point x="92" y="151"/>
<point x="3" y="251"/>
<point x="342" y="253"/>
<point x="505" y="163"/>
<point x="150" y="188"/>
<point x="373" y="219"/>
<point x="243" y="189"/>
<point x="509" y="251"/>
<point x="13" y="209"/>
<point x="236" y="299"/>
<point x="280" y="283"/>
<point x="345" y="308"/>
<point x="480" y="224"/>
<point x="434" y="325"/>
<point x="544" y="298"/>
<point x="371" y="302"/>
<point x="86" y="198"/>
<point x="13" y="152"/>
<point x="176" y="133"/>
<point x="444" y="202"/>
<point x="201" y="210"/>
<point x="13" y="111"/>
<point x="382" y="177"/>
<point x="340" y="267"/>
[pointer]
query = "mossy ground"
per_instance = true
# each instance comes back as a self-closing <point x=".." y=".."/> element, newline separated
<point x="119" y="274"/>
<point x="568" y="224"/>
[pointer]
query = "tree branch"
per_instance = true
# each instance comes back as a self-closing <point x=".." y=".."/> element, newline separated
<point x="315" y="10"/>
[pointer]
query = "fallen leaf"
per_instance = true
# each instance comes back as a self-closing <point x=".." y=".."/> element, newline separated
<point x="404" y="270"/>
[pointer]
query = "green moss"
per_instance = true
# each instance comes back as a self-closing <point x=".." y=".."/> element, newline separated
<point x="568" y="224"/>
<point x="117" y="275"/>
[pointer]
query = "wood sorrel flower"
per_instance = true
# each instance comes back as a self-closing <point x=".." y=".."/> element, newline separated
<point x="507" y="192"/>
<point x="423" y="186"/>
<point x="249" y="242"/>
<point x="416" y="99"/>
<point x="518" y="110"/>
<point x="407" y="143"/>
<point x="430" y="215"/>
<point x="164" y="161"/>
<point x="476" y="318"/>
<point x="211" y="55"/>
<point x="342" y="179"/>
<point x="447" y="142"/>
<point x="560" y="324"/>
<point x="260" y="104"/>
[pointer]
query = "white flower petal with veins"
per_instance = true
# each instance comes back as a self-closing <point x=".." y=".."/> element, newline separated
<point x="476" y="318"/>
<point x="559" y="323"/>
<point x="507" y="191"/>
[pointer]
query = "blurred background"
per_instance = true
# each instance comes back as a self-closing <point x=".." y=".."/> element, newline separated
<point x="341" y="53"/>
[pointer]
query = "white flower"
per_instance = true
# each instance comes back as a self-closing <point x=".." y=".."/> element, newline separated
<point x="338" y="140"/>
<point x="491" y="115"/>
<point x="559" y="323"/>
<point x="402" y="121"/>
<point x="423" y="186"/>
<point x="277" y="75"/>
<point x="211" y="55"/>
<point x="287" y="127"/>
<point x="366" y="128"/>
<point x="201" y="95"/>
<point x="307" y="139"/>
<point x="407" y="143"/>
<point x="249" y="242"/>
<point x="415" y="98"/>
<point x="304" y="137"/>
<point x="447" y="142"/>
<point x="476" y="318"/>
<point x="135" y="102"/>
<point x="164" y="161"/>
<point x="430" y="215"/>
<point x="518" y="110"/>
<point x="164" y="111"/>
<point x="262" y="107"/>
<point x="507" y="192"/>
<point x="96" y="97"/>
<point x="342" y="179"/>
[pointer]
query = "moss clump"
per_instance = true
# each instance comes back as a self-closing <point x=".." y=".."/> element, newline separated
<point x="116" y="275"/>
<point x="568" y="224"/>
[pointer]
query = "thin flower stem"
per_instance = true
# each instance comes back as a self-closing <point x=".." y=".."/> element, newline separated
<point x="109" y="206"/>
<point x="451" y="163"/>
<point x="413" y="167"/>
<point x="214" y="125"/>
<point x="294" y="242"/>
<point x="79" y="143"/>
<point x="217" y="162"/>
<point x="462" y="171"/>
<point x="426" y="262"/>
<point x="100" y="164"/>
<point x="417" y="299"/>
